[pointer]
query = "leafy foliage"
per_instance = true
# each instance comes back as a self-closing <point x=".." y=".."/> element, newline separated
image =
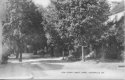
<point x="23" y="25"/>
<point x="83" y="19"/>
<point x="76" y="22"/>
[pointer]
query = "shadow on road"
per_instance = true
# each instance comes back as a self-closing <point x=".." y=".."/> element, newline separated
<point x="56" y="61"/>
<point x="39" y="64"/>
<point x="45" y="66"/>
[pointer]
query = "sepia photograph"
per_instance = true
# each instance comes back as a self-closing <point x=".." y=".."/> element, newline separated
<point x="62" y="39"/>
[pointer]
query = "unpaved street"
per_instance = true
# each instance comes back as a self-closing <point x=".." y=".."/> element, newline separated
<point x="55" y="69"/>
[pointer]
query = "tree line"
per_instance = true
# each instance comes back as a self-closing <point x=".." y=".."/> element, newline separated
<point x="62" y="29"/>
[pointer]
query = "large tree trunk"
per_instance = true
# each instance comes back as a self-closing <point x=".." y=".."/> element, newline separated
<point x="20" y="50"/>
<point x="35" y="52"/>
<point x="20" y="53"/>
<point x="52" y="51"/>
<point x="124" y="51"/>
<point x="102" y="54"/>
<point x="124" y="57"/>
<point x="16" y="50"/>
<point x="17" y="55"/>
<point x="63" y="53"/>
<point x="20" y="57"/>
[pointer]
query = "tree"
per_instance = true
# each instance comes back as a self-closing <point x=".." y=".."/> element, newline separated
<point x="23" y="26"/>
<point x="54" y="40"/>
<point x="12" y="30"/>
<point x="116" y="34"/>
<point x="83" y="19"/>
<point x="35" y="29"/>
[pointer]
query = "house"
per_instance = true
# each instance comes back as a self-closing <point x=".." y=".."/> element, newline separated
<point x="117" y="16"/>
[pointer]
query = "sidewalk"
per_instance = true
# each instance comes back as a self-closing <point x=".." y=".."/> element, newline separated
<point x="14" y="71"/>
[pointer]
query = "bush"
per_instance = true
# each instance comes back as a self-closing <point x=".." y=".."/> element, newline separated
<point x="6" y="51"/>
<point x="4" y="59"/>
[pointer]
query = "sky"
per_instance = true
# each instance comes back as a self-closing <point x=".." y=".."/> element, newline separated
<point x="46" y="3"/>
<point x="115" y="0"/>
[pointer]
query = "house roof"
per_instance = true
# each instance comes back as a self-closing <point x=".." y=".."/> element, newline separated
<point x="118" y="8"/>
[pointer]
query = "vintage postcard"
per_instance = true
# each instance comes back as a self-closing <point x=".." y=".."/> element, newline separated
<point x="62" y="39"/>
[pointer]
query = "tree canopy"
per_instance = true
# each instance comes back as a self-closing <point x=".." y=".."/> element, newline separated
<point x="23" y="24"/>
<point x="81" y="19"/>
<point x="64" y="24"/>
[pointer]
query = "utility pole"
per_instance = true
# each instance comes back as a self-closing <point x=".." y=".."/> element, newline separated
<point x="83" y="54"/>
